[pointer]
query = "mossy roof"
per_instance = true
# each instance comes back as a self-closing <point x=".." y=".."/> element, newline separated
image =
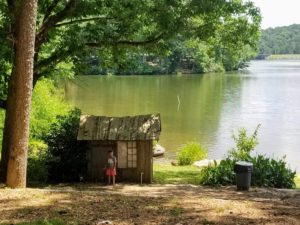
<point x="127" y="128"/>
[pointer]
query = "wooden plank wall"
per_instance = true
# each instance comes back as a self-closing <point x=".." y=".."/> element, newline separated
<point x="145" y="161"/>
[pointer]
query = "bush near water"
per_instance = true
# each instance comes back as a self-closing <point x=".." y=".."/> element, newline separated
<point x="191" y="152"/>
<point x="58" y="156"/>
<point x="66" y="156"/>
<point x="267" y="172"/>
<point x="53" y="125"/>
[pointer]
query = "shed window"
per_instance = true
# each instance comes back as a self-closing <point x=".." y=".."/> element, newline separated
<point x="127" y="154"/>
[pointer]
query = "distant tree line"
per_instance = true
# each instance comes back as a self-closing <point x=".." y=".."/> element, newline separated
<point x="280" y="40"/>
<point x="182" y="54"/>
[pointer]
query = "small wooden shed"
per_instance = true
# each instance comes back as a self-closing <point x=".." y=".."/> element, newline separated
<point x="131" y="139"/>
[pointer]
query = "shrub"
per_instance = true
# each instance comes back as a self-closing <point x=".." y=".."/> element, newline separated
<point x="221" y="174"/>
<point x="48" y="109"/>
<point x="267" y="172"/>
<point x="37" y="170"/>
<point x="47" y="103"/>
<point x="244" y="144"/>
<point x="67" y="156"/>
<point x="191" y="152"/>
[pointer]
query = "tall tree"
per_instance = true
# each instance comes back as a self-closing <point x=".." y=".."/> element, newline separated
<point x="23" y="16"/>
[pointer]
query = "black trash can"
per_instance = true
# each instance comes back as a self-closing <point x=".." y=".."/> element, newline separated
<point x="243" y="172"/>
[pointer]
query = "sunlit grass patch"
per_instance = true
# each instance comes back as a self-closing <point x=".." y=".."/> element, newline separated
<point x="297" y="181"/>
<point x="168" y="174"/>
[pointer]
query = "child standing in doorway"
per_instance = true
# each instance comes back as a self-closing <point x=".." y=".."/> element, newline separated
<point x="111" y="167"/>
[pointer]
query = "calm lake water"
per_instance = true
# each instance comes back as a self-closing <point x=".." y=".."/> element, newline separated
<point x="206" y="108"/>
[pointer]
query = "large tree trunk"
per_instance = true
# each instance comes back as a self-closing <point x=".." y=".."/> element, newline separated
<point x="16" y="131"/>
<point x="4" y="151"/>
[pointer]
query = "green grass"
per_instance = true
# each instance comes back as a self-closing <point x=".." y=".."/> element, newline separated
<point x="297" y="181"/>
<point x="189" y="153"/>
<point x="168" y="174"/>
<point x="40" y="222"/>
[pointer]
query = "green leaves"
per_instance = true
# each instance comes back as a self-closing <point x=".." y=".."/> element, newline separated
<point x="66" y="156"/>
<point x="47" y="103"/>
<point x="280" y="40"/>
<point x="69" y="31"/>
<point x="216" y="175"/>
<point x="267" y="172"/>
<point x="272" y="173"/>
<point x="245" y="145"/>
<point x="191" y="152"/>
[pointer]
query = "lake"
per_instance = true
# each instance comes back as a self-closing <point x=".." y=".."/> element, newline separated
<point x="206" y="108"/>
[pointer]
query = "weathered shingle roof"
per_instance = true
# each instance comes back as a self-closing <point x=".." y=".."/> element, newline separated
<point x="142" y="127"/>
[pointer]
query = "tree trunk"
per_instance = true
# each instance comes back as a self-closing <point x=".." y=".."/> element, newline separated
<point x="16" y="131"/>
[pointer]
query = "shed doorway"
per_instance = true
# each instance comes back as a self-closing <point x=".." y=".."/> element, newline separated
<point x="97" y="157"/>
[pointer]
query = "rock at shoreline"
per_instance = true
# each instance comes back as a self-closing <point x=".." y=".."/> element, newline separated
<point x="174" y="163"/>
<point x="206" y="162"/>
<point x="158" y="150"/>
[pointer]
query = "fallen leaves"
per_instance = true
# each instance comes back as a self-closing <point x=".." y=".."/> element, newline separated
<point x="133" y="204"/>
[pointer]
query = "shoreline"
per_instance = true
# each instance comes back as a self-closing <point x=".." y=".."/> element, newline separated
<point x="278" y="57"/>
<point x="164" y="173"/>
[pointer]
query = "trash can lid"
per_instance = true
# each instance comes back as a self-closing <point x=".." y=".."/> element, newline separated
<point x="244" y="163"/>
<point x="243" y="166"/>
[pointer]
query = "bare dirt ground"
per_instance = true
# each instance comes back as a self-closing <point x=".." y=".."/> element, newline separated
<point x="153" y="204"/>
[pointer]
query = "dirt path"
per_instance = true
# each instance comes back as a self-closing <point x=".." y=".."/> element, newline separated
<point x="155" y="204"/>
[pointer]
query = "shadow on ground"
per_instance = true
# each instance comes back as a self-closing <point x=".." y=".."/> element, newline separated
<point x="153" y="204"/>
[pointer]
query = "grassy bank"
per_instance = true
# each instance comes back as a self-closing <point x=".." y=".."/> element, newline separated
<point x="168" y="174"/>
<point x="165" y="173"/>
<point x="297" y="181"/>
<point x="283" y="56"/>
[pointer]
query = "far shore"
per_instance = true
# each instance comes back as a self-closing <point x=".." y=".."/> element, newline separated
<point x="282" y="57"/>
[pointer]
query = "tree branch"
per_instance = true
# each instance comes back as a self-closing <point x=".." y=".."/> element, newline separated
<point x="49" y="63"/>
<point x="55" y="57"/>
<point x="149" y="40"/>
<point x="3" y="104"/>
<point x="51" y="21"/>
<point x="50" y="9"/>
<point x="81" y="20"/>
<point x="143" y="42"/>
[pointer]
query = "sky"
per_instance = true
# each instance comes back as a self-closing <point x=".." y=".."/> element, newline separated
<point x="279" y="12"/>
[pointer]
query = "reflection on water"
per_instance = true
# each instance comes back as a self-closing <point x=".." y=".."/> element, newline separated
<point x="206" y="108"/>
